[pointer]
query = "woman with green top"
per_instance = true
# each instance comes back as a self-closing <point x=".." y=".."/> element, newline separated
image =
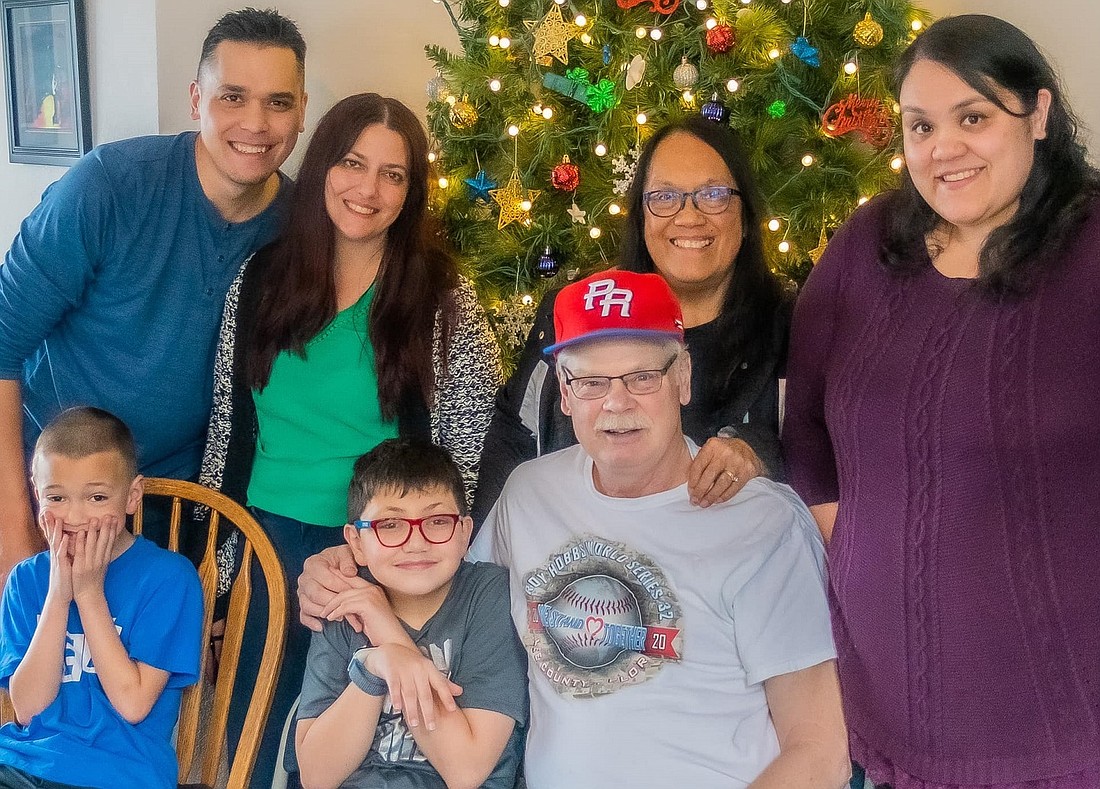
<point x="351" y="328"/>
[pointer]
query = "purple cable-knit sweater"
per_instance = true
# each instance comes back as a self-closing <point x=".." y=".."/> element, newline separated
<point x="961" y="436"/>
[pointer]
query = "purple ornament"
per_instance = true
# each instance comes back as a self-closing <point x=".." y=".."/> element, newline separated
<point x="547" y="265"/>
<point x="715" y="110"/>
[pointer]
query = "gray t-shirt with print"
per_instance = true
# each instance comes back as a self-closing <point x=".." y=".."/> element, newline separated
<point x="471" y="640"/>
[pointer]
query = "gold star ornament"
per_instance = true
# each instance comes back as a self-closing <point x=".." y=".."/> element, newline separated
<point x="552" y="34"/>
<point x="819" y="250"/>
<point x="511" y="201"/>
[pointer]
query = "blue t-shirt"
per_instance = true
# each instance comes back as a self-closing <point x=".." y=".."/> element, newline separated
<point x="156" y="601"/>
<point x="112" y="294"/>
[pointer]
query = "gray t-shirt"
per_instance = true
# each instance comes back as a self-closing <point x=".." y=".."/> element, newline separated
<point x="471" y="640"/>
<point x="651" y="625"/>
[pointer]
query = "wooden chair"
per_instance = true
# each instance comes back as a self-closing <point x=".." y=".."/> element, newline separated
<point x="256" y="542"/>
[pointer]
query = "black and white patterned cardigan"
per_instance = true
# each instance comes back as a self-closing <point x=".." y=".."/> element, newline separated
<point x="457" y="419"/>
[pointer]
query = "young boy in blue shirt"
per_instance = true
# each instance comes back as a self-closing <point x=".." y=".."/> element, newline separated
<point x="430" y="688"/>
<point x="100" y="633"/>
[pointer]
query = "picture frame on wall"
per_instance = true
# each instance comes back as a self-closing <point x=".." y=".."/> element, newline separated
<point x="46" y="81"/>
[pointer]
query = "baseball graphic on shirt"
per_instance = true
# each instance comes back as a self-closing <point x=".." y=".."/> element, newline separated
<point x="584" y="620"/>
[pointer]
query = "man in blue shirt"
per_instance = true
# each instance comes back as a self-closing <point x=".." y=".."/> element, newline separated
<point x="121" y="271"/>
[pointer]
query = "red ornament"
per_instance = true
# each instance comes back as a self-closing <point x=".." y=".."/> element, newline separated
<point x="869" y="118"/>
<point x="565" y="176"/>
<point x="665" y="7"/>
<point x="721" y="38"/>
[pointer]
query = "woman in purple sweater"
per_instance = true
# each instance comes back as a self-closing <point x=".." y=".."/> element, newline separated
<point x="943" y="422"/>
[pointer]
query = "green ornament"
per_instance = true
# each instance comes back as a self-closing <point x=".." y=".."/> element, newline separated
<point x="777" y="109"/>
<point x="601" y="96"/>
<point x="578" y="76"/>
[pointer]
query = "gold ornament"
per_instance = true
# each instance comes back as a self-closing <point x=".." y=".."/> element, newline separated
<point x="510" y="199"/>
<point x="868" y="32"/>
<point x="819" y="250"/>
<point x="463" y="114"/>
<point x="552" y="34"/>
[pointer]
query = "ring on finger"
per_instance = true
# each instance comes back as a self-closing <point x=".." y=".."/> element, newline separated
<point x="732" y="476"/>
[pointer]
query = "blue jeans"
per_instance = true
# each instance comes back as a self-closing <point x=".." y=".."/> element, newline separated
<point x="294" y="542"/>
<point x="11" y="778"/>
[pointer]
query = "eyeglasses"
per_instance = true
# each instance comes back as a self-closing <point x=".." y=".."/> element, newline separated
<point x="639" y="382"/>
<point x="709" y="200"/>
<point x="395" y="532"/>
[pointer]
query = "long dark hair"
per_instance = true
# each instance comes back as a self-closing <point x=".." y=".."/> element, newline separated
<point x="992" y="56"/>
<point x="747" y="319"/>
<point x="416" y="275"/>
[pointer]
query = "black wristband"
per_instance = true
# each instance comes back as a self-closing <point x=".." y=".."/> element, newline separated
<point x="371" y="684"/>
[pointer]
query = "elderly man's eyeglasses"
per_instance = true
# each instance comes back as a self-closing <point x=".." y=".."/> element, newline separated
<point x="709" y="200"/>
<point x="639" y="382"/>
<point x="395" y="532"/>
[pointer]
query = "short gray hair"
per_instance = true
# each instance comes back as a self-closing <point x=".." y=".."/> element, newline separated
<point x="566" y="355"/>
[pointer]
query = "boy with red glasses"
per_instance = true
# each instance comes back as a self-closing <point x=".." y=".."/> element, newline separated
<point x="418" y="676"/>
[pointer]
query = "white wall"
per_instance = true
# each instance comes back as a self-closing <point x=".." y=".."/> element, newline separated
<point x="352" y="46"/>
<point x="122" y="74"/>
<point x="142" y="56"/>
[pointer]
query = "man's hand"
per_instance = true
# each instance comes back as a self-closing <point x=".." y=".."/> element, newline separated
<point x="92" y="552"/>
<point x="720" y="470"/>
<point x="61" y="566"/>
<point x="414" y="683"/>
<point x="324" y="575"/>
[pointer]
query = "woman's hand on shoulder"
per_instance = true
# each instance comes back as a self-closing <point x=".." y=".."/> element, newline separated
<point x="721" y="469"/>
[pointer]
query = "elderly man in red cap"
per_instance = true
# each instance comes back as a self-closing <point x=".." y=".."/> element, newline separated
<point x="669" y="645"/>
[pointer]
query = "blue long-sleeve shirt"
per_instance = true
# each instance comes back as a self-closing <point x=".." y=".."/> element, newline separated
<point x="112" y="293"/>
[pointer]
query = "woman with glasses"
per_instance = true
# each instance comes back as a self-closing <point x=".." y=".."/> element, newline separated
<point x="353" y="327"/>
<point x="944" y="427"/>
<point x="694" y="218"/>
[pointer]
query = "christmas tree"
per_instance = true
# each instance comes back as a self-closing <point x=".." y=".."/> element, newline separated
<point x="538" y="122"/>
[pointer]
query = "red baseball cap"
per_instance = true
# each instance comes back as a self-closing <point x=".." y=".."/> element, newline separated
<point x="616" y="304"/>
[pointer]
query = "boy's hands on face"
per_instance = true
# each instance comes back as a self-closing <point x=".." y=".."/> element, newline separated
<point x="367" y="604"/>
<point x="414" y="683"/>
<point x="92" y="552"/>
<point x="61" y="565"/>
